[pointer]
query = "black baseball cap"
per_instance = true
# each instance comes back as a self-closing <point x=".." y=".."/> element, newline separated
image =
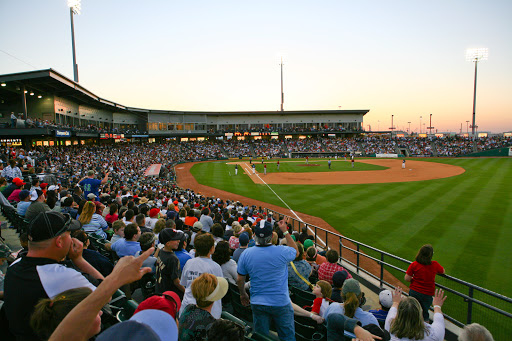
<point x="168" y="234"/>
<point x="50" y="224"/>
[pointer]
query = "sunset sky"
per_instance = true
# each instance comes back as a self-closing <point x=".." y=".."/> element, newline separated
<point x="405" y="58"/>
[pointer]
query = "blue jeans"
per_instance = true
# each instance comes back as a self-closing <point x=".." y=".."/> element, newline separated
<point x="425" y="302"/>
<point x="282" y="316"/>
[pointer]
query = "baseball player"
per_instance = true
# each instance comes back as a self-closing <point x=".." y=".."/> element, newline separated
<point x="403" y="164"/>
<point x="329" y="163"/>
<point x="277" y="164"/>
<point x="307" y="160"/>
<point x="253" y="169"/>
<point x="265" y="169"/>
<point x="236" y="169"/>
<point x="353" y="161"/>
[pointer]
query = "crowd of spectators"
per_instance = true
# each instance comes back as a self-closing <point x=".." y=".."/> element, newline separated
<point x="236" y="148"/>
<point x="269" y="148"/>
<point x="341" y="144"/>
<point x="453" y="146"/>
<point x="417" y="146"/>
<point x="378" y="145"/>
<point x="186" y="240"/>
<point x="493" y="142"/>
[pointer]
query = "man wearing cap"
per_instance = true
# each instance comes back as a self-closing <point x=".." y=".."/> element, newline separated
<point x="92" y="185"/>
<point x="244" y="242"/>
<point x="267" y="265"/>
<point x="24" y="202"/>
<point x="40" y="274"/>
<point x="37" y="206"/>
<point x="386" y="301"/>
<point x="16" y="184"/>
<point x="168" y="265"/>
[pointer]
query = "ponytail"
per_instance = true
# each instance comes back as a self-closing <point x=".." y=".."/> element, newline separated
<point x="350" y="304"/>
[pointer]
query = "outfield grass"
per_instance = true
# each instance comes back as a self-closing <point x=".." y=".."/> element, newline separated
<point x="467" y="218"/>
<point x="299" y="166"/>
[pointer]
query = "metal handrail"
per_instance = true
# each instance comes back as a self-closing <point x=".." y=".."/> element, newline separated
<point x="469" y="298"/>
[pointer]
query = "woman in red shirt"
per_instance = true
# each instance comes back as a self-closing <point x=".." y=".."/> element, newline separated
<point x="422" y="273"/>
<point x="112" y="216"/>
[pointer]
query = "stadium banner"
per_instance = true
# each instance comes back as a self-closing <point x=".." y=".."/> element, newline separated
<point x="62" y="133"/>
<point x="386" y="155"/>
<point x="153" y="170"/>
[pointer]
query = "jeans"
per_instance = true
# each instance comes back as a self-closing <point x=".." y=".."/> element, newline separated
<point x="282" y="317"/>
<point x="425" y="302"/>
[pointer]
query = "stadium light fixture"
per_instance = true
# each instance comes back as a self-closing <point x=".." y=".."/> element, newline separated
<point x="3" y="84"/>
<point x="476" y="55"/>
<point x="75" y="7"/>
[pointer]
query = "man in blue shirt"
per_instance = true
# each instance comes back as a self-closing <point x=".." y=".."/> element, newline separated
<point x="266" y="264"/>
<point x="129" y="245"/>
<point x="92" y="185"/>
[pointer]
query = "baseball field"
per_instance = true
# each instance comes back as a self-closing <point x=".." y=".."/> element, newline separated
<point x="462" y="206"/>
<point x="466" y="217"/>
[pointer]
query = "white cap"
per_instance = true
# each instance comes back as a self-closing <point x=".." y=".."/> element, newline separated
<point x="53" y="187"/>
<point x="386" y="299"/>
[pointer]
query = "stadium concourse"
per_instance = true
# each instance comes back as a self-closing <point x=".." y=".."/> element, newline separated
<point x="200" y="239"/>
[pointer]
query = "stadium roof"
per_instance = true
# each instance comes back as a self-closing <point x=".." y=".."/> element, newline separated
<point x="52" y="82"/>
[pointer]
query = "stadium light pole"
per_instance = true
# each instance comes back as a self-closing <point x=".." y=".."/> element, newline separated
<point x="282" y="93"/>
<point x="74" y="8"/>
<point x="467" y="127"/>
<point x="409" y="131"/>
<point x="476" y="55"/>
<point x="420" y="123"/>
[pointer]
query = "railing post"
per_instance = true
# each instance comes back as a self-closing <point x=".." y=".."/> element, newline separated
<point x="357" y="268"/>
<point x="381" y="268"/>
<point x="315" y="235"/>
<point x="341" y="248"/>
<point x="470" y="306"/>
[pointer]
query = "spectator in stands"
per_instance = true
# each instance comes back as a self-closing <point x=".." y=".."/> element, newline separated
<point x="313" y="258"/>
<point x="405" y="320"/>
<point x="48" y="313"/>
<point x="338" y="279"/>
<point x="118" y="226"/>
<point x="168" y="265"/>
<point x="244" y="241"/>
<point x="154" y="215"/>
<point x="353" y="299"/>
<point x="24" y="203"/>
<point x="11" y="172"/>
<point x="266" y="264"/>
<point x="218" y="233"/>
<point x="78" y="196"/>
<point x="3" y="184"/>
<point x="5" y="253"/>
<point x="327" y="270"/>
<point x="222" y="256"/>
<point x="91" y="221"/>
<point x="299" y="271"/>
<point x="39" y="272"/>
<point x="322" y="290"/>
<point x="92" y="185"/>
<point x="147" y="241"/>
<point x="181" y="251"/>
<point x="197" y="318"/>
<point x="422" y="273"/>
<point x="16" y="186"/>
<point x="112" y="214"/>
<point x="37" y="205"/>
<point x="129" y="245"/>
<point x="206" y="220"/>
<point x="385" y="300"/>
<point x="222" y="330"/>
<point x="475" y="332"/>
<point x="190" y="219"/>
<point x="234" y="243"/>
<point x="127" y="270"/>
<point x="202" y="263"/>
<point x="66" y="207"/>
<point x="93" y="257"/>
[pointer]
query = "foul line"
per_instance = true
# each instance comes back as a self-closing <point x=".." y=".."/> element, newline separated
<point x="293" y="212"/>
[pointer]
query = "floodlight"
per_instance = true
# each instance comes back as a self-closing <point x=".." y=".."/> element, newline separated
<point x="477" y="54"/>
<point x="75" y="6"/>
